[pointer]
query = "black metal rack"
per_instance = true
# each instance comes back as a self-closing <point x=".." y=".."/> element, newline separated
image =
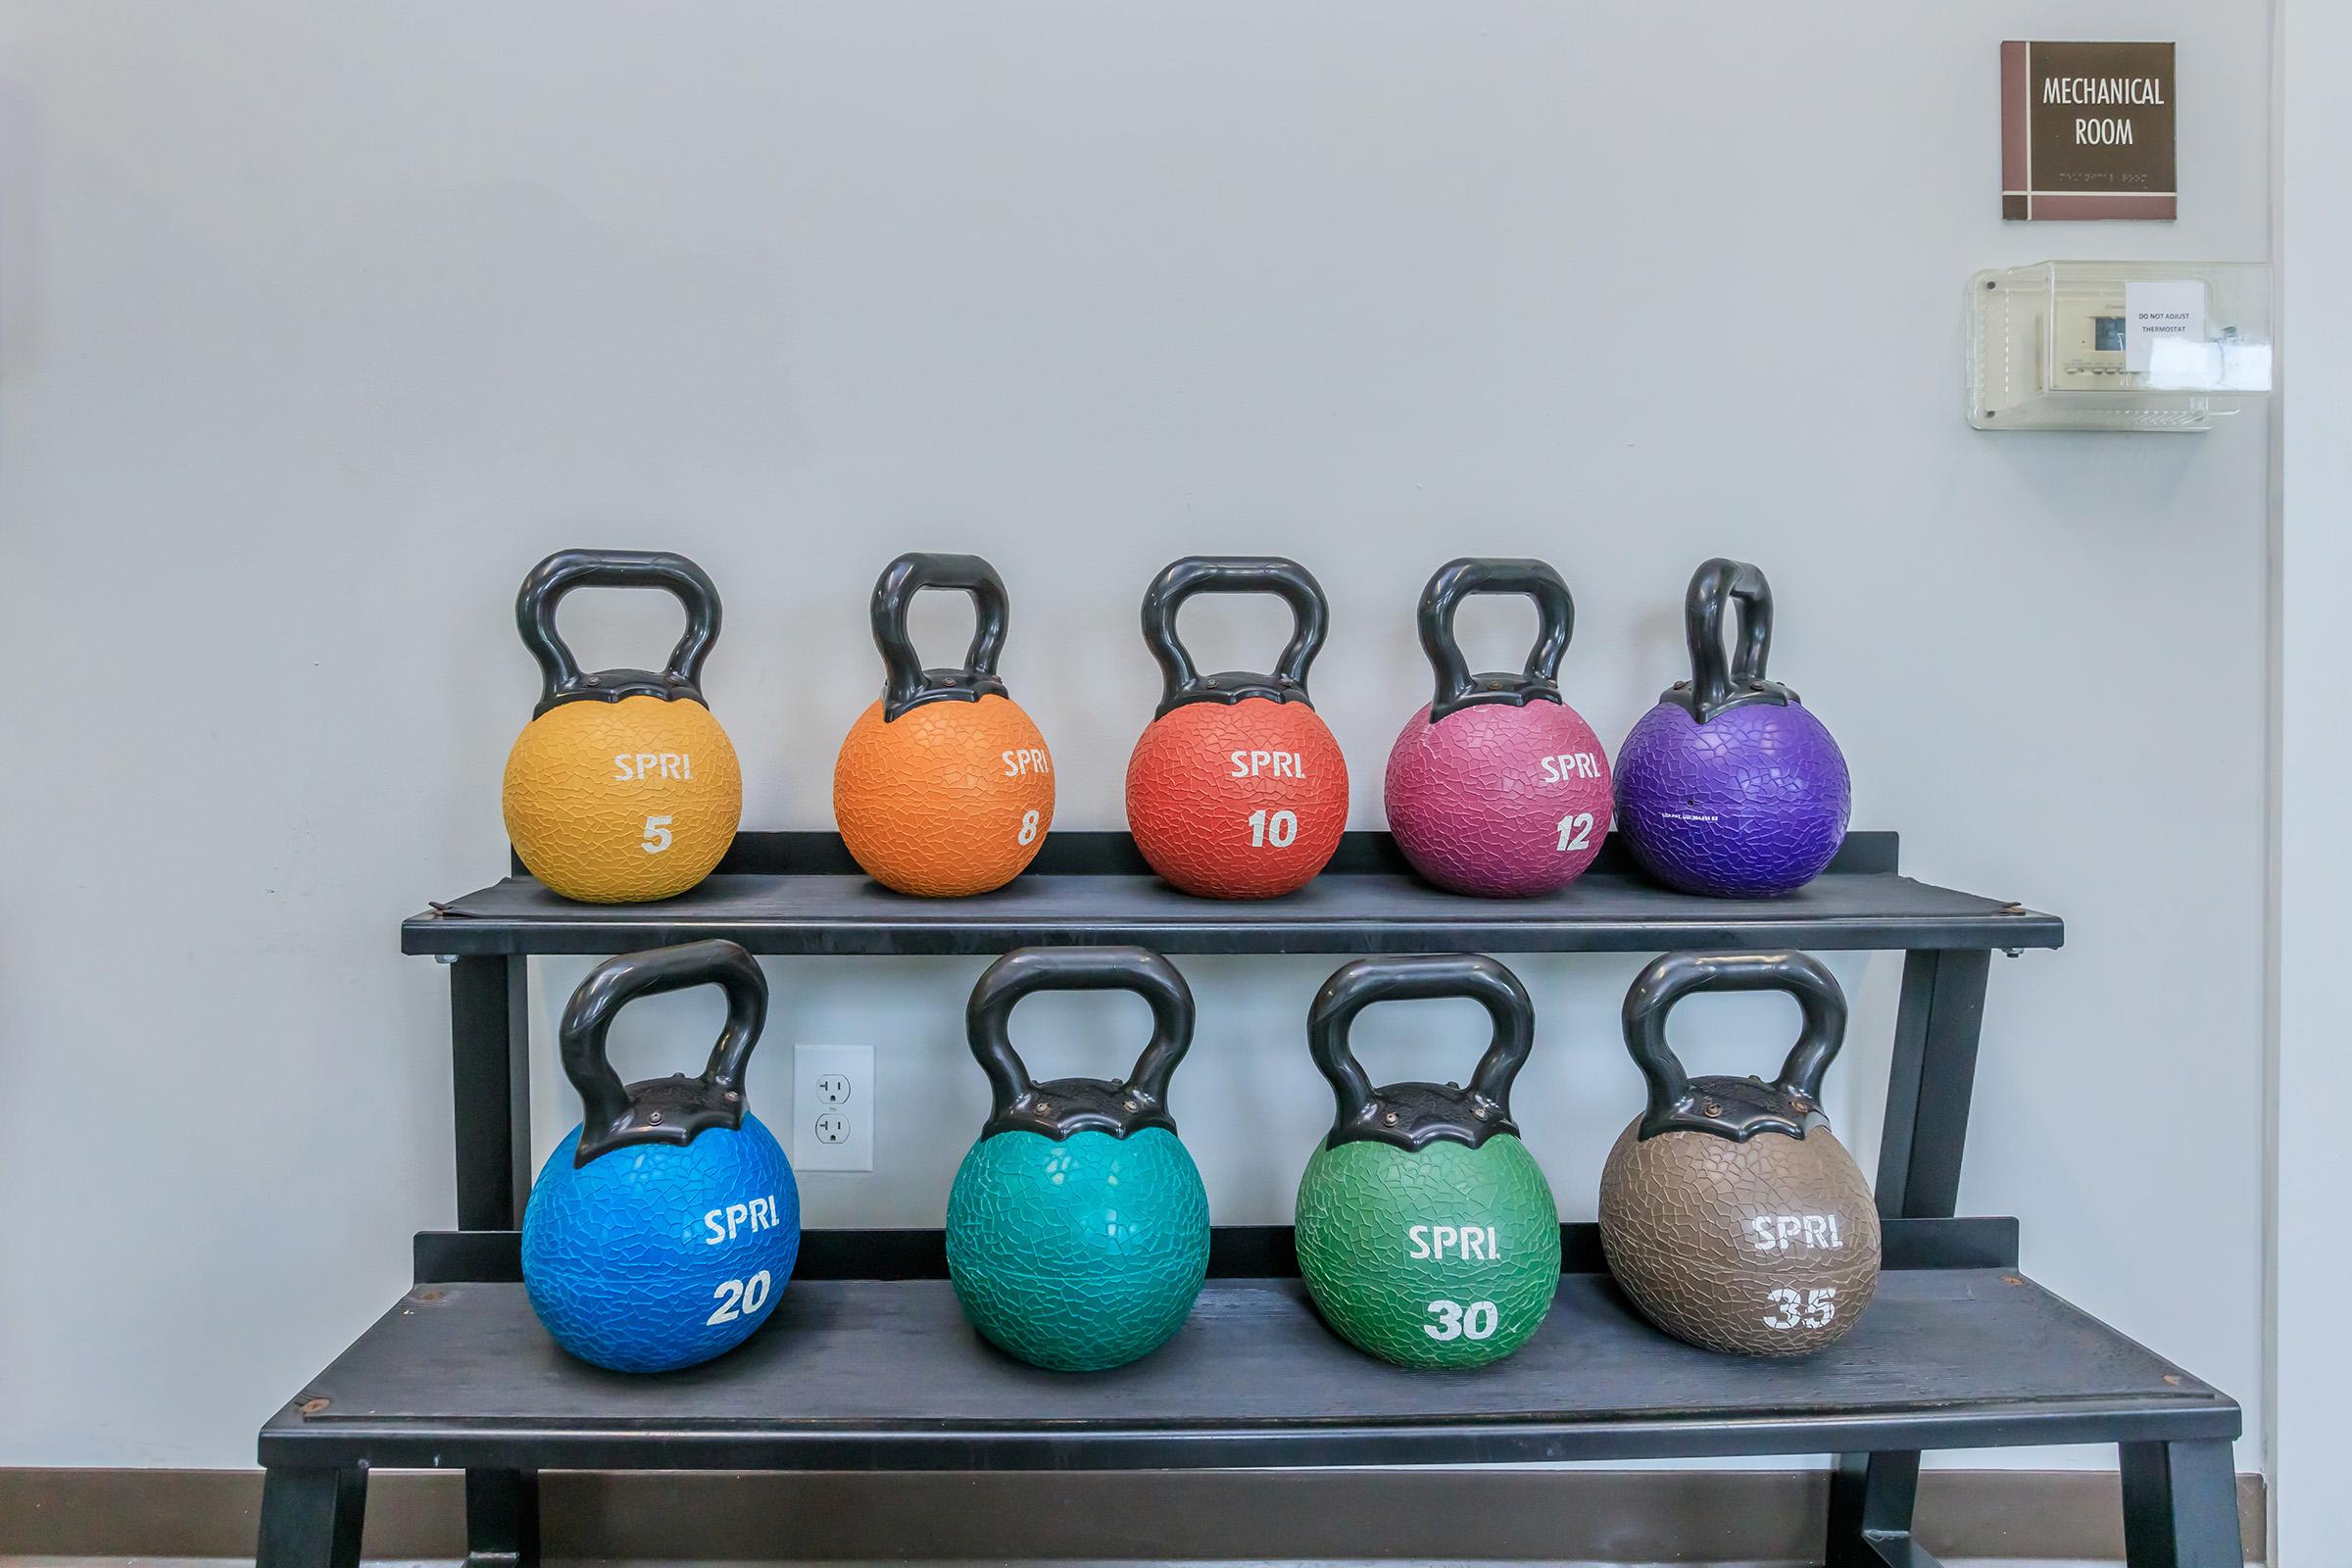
<point x="1959" y="1351"/>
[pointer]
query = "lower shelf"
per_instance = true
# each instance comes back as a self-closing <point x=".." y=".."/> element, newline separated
<point x="867" y="1365"/>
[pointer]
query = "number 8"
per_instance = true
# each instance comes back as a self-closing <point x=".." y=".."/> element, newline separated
<point x="1028" y="826"/>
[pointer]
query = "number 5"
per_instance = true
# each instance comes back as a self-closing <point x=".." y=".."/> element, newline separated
<point x="656" y="835"/>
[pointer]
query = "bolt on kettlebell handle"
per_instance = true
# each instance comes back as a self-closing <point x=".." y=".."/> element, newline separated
<point x="1018" y="1103"/>
<point x="661" y="1110"/>
<point x="1555" y="626"/>
<point x="905" y="683"/>
<point x="1279" y="575"/>
<point x="1677" y="1101"/>
<point x="1717" y="684"/>
<point x="561" y="680"/>
<point x="1467" y="1116"/>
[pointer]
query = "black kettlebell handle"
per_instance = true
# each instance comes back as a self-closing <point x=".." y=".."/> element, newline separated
<point x="562" y="680"/>
<point x="1736" y="1108"/>
<point x="905" y="683"/>
<point x="1286" y="579"/>
<point x="1718" y="685"/>
<point x="1412" y="1115"/>
<point x="1066" y="1106"/>
<point x="1555" y="625"/>
<point x="661" y="1110"/>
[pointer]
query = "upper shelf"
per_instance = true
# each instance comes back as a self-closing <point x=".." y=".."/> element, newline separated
<point x="800" y="893"/>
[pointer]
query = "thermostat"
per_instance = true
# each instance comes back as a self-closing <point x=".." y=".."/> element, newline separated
<point x="2116" y="345"/>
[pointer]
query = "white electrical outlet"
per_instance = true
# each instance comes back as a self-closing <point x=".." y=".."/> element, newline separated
<point x="833" y="1108"/>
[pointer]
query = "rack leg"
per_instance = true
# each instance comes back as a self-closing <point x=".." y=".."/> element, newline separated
<point x="490" y="1040"/>
<point x="1928" y="1089"/>
<point x="311" y="1517"/>
<point x="1871" y="1499"/>
<point x="502" y="1518"/>
<point x="2181" y="1506"/>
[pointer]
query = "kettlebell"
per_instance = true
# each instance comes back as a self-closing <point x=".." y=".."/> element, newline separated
<point x="1729" y="1212"/>
<point x="1497" y="787"/>
<point x="1731" y="786"/>
<point x="1236" y="789"/>
<point x="1427" y="1234"/>
<point x="943" y="788"/>
<point x="1077" y="1228"/>
<point x="623" y="787"/>
<point x="664" y="1227"/>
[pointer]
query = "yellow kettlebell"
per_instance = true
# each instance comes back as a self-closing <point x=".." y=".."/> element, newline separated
<point x="623" y="787"/>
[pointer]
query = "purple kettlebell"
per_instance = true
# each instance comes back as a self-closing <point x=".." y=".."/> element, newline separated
<point x="1730" y="786"/>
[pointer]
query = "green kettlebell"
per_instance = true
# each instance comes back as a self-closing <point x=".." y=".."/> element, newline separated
<point x="1077" y="1227"/>
<point x="1427" y="1234"/>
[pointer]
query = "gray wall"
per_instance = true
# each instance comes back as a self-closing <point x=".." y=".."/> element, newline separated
<point x="319" y="324"/>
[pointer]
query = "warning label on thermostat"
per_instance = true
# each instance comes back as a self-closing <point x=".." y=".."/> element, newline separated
<point x="2172" y="310"/>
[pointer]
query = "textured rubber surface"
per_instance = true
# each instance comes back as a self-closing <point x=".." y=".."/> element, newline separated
<point x="1081" y="1254"/>
<point x="590" y="833"/>
<point x="1498" y="801"/>
<point x="1358" y="1209"/>
<point x="952" y="799"/>
<point x="620" y="1256"/>
<point x="1677" y="1221"/>
<point x="1190" y="817"/>
<point x="1752" y="804"/>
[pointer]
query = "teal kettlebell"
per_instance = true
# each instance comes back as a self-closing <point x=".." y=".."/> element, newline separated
<point x="1078" y="1228"/>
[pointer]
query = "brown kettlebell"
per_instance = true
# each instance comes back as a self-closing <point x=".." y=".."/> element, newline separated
<point x="1729" y="1212"/>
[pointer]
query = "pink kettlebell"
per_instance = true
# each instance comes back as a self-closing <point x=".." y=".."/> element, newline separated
<point x="1499" y="788"/>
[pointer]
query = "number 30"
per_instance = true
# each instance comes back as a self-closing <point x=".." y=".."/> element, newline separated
<point x="1456" y="1322"/>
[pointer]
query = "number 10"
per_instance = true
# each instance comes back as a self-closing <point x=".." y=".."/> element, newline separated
<point x="1279" y="830"/>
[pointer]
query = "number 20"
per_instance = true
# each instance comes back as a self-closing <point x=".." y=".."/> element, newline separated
<point x="737" y="1297"/>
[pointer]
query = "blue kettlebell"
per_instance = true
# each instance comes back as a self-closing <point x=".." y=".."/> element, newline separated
<point x="664" y="1226"/>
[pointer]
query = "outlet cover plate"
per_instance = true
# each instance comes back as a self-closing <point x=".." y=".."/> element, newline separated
<point x="833" y="1107"/>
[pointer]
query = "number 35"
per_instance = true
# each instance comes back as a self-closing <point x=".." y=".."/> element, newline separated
<point x="1813" y="1310"/>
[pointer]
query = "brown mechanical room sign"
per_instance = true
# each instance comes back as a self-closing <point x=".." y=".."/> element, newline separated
<point x="2087" y="130"/>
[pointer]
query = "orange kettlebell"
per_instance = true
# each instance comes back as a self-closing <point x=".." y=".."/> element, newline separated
<point x="623" y="787"/>
<point x="944" y="787"/>
<point x="1237" y="790"/>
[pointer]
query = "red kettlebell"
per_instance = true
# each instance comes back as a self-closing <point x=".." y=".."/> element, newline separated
<point x="1497" y="787"/>
<point x="1237" y="790"/>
